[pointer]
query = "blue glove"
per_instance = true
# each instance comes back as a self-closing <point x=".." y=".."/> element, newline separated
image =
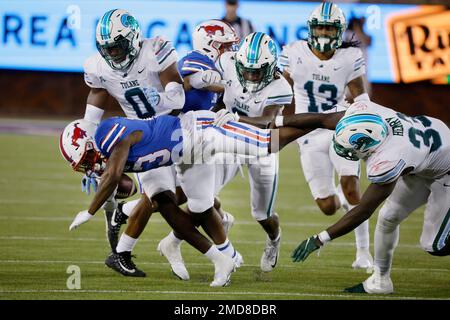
<point x="152" y="96"/>
<point x="88" y="180"/>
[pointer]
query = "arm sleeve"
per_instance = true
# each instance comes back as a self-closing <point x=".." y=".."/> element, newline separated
<point x="91" y="76"/>
<point x="385" y="171"/>
<point x="172" y="98"/>
<point x="165" y="53"/>
<point x="281" y="95"/>
<point x="284" y="59"/>
<point x="358" y="66"/>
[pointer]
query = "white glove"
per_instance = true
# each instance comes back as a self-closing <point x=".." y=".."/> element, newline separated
<point x="210" y="77"/>
<point x="152" y="95"/>
<point x="223" y="117"/>
<point x="205" y="78"/>
<point x="82" y="217"/>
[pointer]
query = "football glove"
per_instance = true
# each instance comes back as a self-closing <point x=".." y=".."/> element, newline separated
<point x="210" y="77"/>
<point x="223" y="117"/>
<point x="152" y="95"/>
<point x="89" y="180"/>
<point x="304" y="249"/>
<point x="81" y="217"/>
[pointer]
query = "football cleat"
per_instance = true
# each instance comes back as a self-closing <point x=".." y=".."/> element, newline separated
<point x="172" y="252"/>
<point x="363" y="260"/>
<point x="269" y="258"/>
<point x="375" y="284"/>
<point x="238" y="260"/>
<point x="122" y="263"/>
<point x="114" y="220"/>
<point x="227" y="221"/>
<point x="222" y="272"/>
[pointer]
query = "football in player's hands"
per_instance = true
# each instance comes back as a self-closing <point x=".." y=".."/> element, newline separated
<point x="126" y="187"/>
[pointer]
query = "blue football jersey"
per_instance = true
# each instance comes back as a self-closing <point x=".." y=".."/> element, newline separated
<point x="161" y="143"/>
<point x="197" y="99"/>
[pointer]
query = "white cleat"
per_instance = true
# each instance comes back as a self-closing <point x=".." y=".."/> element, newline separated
<point x="222" y="272"/>
<point x="238" y="260"/>
<point x="363" y="260"/>
<point x="172" y="252"/>
<point x="378" y="284"/>
<point x="227" y="221"/>
<point x="269" y="258"/>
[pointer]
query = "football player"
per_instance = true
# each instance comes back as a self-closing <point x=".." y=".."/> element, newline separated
<point x="132" y="145"/>
<point x="141" y="74"/>
<point x="408" y="165"/>
<point x="255" y="88"/>
<point x="202" y="85"/>
<point x="320" y="69"/>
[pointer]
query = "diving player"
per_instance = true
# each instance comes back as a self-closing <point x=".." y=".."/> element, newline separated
<point x="320" y="69"/>
<point x="144" y="145"/>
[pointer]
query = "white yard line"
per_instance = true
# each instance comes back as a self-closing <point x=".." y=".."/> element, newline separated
<point x="251" y="242"/>
<point x="160" y="220"/>
<point x="193" y="264"/>
<point x="228" y="293"/>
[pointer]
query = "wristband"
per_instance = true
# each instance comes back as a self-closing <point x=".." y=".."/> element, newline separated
<point x="362" y="97"/>
<point x="324" y="237"/>
<point x="93" y="114"/>
<point x="279" y="121"/>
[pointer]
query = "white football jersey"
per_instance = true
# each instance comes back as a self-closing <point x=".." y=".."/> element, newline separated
<point x="319" y="85"/>
<point x="126" y="87"/>
<point x="251" y="104"/>
<point x="421" y="143"/>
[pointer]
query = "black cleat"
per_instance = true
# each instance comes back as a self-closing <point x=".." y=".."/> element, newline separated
<point x="122" y="263"/>
<point x="359" y="288"/>
<point x="114" y="220"/>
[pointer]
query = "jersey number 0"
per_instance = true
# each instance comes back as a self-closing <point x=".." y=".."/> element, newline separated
<point x="139" y="102"/>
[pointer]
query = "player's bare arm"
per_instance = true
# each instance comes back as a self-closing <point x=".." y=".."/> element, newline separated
<point x="269" y="114"/>
<point x="219" y="105"/>
<point x="371" y="199"/>
<point x="289" y="109"/>
<point x="312" y="120"/>
<point x="97" y="97"/>
<point x="356" y="87"/>
<point x="170" y="74"/>
<point x="113" y="171"/>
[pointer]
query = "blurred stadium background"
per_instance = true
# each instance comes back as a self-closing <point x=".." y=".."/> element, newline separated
<point x="42" y="47"/>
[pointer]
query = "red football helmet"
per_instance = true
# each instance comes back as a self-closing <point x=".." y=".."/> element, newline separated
<point x="77" y="146"/>
<point x="214" y="37"/>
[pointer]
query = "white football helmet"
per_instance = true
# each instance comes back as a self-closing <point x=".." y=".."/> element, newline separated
<point x="77" y="146"/>
<point x="118" y="38"/>
<point x="214" y="37"/>
<point x="326" y="14"/>
<point x="256" y="61"/>
<point x="359" y="134"/>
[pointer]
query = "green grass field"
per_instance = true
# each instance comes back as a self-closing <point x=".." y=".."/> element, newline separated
<point x="40" y="195"/>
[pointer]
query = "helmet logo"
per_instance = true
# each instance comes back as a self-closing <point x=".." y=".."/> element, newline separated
<point x="272" y="48"/>
<point x="362" y="142"/>
<point x="212" y="29"/>
<point x="129" y="21"/>
<point x="78" y="133"/>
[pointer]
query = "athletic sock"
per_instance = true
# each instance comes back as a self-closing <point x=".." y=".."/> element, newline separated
<point x="128" y="207"/>
<point x="227" y="248"/>
<point x="126" y="243"/>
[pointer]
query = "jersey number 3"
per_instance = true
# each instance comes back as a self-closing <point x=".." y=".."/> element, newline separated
<point x="139" y="102"/>
<point x="331" y="88"/>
